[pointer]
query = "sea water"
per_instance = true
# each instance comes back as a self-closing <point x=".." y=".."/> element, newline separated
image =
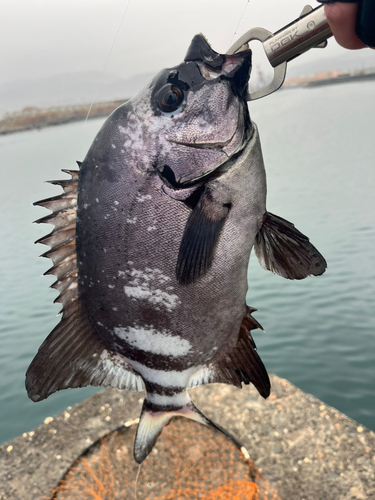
<point x="319" y="151"/>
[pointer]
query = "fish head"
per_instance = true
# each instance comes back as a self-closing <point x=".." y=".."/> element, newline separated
<point x="196" y="114"/>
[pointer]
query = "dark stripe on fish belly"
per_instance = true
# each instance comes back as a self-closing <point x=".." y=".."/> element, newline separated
<point x="155" y="361"/>
<point x="183" y="357"/>
<point x="155" y="407"/>
<point x="154" y="388"/>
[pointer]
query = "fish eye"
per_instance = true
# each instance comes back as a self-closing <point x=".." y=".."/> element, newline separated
<point x="169" y="98"/>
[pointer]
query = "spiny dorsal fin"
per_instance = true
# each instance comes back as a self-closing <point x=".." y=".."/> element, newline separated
<point x="72" y="355"/>
<point x="285" y="251"/>
<point x="62" y="239"/>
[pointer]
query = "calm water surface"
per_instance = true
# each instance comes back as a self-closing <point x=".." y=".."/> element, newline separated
<point x="318" y="146"/>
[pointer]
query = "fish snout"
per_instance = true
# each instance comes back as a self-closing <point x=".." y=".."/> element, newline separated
<point x="236" y="67"/>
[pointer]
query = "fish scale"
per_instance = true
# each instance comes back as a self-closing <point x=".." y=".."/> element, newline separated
<point x="151" y="246"/>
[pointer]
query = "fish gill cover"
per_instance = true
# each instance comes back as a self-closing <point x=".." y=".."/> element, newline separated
<point x="151" y="242"/>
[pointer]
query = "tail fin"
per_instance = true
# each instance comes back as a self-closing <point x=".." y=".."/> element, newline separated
<point x="154" y="417"/>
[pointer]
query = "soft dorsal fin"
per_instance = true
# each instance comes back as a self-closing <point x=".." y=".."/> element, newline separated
<point x="201" y="233"/>
<point x="72" y="355"/>
<point x="285" y="251"/>
<point x="240" y="364"/>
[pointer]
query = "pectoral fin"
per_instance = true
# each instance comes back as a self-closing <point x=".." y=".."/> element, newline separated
<point x="201" y="234"/>
<point x="285" y="251"/>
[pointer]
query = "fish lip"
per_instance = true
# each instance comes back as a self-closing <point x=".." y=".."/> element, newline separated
<point x="206" y="145"/>
<point x="209" y="176"/>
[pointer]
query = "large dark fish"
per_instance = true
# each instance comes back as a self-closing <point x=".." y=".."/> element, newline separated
<point x="151" y="258"/>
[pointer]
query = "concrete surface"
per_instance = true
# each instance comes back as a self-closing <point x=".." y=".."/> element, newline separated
<point x="308" y="450"/>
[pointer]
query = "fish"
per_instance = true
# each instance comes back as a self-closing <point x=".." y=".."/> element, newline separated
<point x="151" y="243"/>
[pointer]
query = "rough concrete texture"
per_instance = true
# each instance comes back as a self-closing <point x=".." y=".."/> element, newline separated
<point x="308" y="450"/>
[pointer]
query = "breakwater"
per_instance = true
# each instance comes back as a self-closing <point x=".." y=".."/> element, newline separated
<point x="305" y="448"/>
<point x="35" y="118"/>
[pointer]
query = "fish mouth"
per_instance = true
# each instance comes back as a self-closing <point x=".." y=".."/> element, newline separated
<point x="169" y="179"/>
<point x="220" y="145"/>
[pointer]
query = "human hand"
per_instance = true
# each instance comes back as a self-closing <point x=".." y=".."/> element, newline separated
<point x="345" y="23"/>
<point x="342" y="18"/>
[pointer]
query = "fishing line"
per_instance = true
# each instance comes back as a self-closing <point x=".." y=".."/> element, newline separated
<point x="239" y="22"/>
<point x="106" y="62"/>
<point x="136" y="481"/>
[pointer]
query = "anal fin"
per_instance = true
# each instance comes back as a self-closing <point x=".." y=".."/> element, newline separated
<point x="285" y="251"/>
<point x="73" y="356"/>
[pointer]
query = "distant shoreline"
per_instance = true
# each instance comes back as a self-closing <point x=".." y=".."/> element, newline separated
<point x="31" y="118"/>
<point x="330" y="78"/>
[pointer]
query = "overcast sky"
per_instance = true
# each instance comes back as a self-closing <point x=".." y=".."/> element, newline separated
<point x="39" y="38"/>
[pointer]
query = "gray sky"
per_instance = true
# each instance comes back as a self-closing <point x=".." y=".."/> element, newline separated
<point x="39" y="38"/>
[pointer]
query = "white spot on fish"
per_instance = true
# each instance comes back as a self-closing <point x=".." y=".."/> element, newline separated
<point x="131" y="221"/>
<point x="148" y="274"/>
<point x="111" y="286"/>
<point x="114" y="308"/>
<point x="150" y="340"/>
<point x="85" y="205"/>
<point x="156" y="297"/>
<point x="147" y="284"/>
<point x="122" y="129"/>
<point x="151" y="228"/>
<point x="180" y="399"/>
<point x="116" y="202"/>
<point x="113" y="146"/>
<point x="144" y="197"/>
<point x="121" y="273"/>
<point x="97" y="200"/>
<point x="170" y="378"/>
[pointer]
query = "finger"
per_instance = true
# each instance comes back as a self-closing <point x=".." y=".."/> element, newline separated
<point x="341" y="18"/>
